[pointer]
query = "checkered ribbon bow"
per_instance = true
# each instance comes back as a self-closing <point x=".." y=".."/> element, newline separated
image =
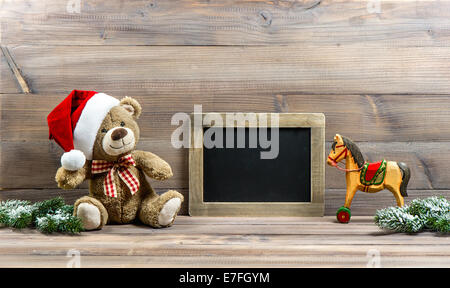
<point x="121" y="166"/>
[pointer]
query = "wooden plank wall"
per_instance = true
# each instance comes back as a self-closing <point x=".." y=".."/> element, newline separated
<point x="380" y="73"/>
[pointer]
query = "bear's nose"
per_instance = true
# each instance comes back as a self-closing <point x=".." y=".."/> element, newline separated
<point x="119" y="133"/>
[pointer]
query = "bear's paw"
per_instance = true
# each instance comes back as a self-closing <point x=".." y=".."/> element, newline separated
<point x="168" y="211"/>
<point x="90" y="216"/>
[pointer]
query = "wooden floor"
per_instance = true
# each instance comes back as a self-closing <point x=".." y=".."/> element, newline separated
<point x="229" y="242"/>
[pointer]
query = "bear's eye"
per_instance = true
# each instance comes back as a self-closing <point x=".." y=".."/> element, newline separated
<point x="122" y="123"/>
<point x="104" y="130"/>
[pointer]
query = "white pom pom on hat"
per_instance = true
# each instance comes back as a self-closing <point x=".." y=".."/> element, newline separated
<point x="74" y="124"/>
<point x="73" y="160"/>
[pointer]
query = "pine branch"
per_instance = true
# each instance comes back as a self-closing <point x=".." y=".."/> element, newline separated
<point x="47" y="216"/>
<point x="432" y="213"/>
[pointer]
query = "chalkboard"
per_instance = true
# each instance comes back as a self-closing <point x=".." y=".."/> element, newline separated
<point x="286" y="178"/>
<point x="230" y="176"/>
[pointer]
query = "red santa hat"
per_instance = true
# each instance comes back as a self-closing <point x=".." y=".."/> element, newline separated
<point x="74" y="124"/>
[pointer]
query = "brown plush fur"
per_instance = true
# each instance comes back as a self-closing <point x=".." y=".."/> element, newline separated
<point x="145" y="203"/>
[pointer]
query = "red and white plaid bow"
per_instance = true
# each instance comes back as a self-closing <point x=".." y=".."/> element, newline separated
<point x="121" y="166"/>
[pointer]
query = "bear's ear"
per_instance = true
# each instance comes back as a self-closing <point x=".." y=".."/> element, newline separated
<point x="132" y="106"/>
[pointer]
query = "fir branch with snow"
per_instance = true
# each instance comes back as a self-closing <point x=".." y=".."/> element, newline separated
<point x="47" y="216"/>
<point x="431" y="214"/>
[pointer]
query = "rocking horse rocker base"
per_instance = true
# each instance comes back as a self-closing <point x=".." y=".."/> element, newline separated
<point x="366" y="177"/>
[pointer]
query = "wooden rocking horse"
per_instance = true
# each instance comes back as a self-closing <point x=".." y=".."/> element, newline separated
<point x="366" y="177"/>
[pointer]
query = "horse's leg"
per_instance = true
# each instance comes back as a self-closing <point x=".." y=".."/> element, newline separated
<point x="351" y="190"/>
<point x="393" y="181"/>
<point x="344" y="213"/>
<point x="398" y="196"/>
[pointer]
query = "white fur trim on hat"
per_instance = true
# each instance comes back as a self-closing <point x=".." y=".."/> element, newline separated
<point x="73" y="160"/>
<point x="90" y="120"/>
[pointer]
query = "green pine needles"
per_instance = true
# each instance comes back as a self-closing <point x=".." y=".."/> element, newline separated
<point x="432" y="214"/>
<point x="47" y="216"/>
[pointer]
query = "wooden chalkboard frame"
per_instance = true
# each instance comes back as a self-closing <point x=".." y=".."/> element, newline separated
<point x="314" y="121"/>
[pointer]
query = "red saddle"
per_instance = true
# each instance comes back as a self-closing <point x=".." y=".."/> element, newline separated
<point x="372" y="169"/>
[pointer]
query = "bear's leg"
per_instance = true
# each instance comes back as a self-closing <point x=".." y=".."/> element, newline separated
<point x="91" y="212"/>
<point x="160" y="211"/>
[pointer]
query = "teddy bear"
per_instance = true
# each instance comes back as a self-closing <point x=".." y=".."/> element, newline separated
<point x="99" y="135"/>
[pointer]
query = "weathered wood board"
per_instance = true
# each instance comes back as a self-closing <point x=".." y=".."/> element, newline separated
<point x="363" y="118"/>
<point x="8" y="84"/>
<point x="234" y="242"/>
<point x="363" y="203"/>
<point x="39" y="160"/>
<point x="229" y="22"/>
<point x="149" y="70"/>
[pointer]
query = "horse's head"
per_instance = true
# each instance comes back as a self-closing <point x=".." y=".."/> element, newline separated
<point x="338" y="151"/>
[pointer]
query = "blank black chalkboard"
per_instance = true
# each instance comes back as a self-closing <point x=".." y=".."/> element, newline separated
<point x="240" y="175"/>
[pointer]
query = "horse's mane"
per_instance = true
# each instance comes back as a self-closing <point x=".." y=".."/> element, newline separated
<point x="356" y="153"/>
